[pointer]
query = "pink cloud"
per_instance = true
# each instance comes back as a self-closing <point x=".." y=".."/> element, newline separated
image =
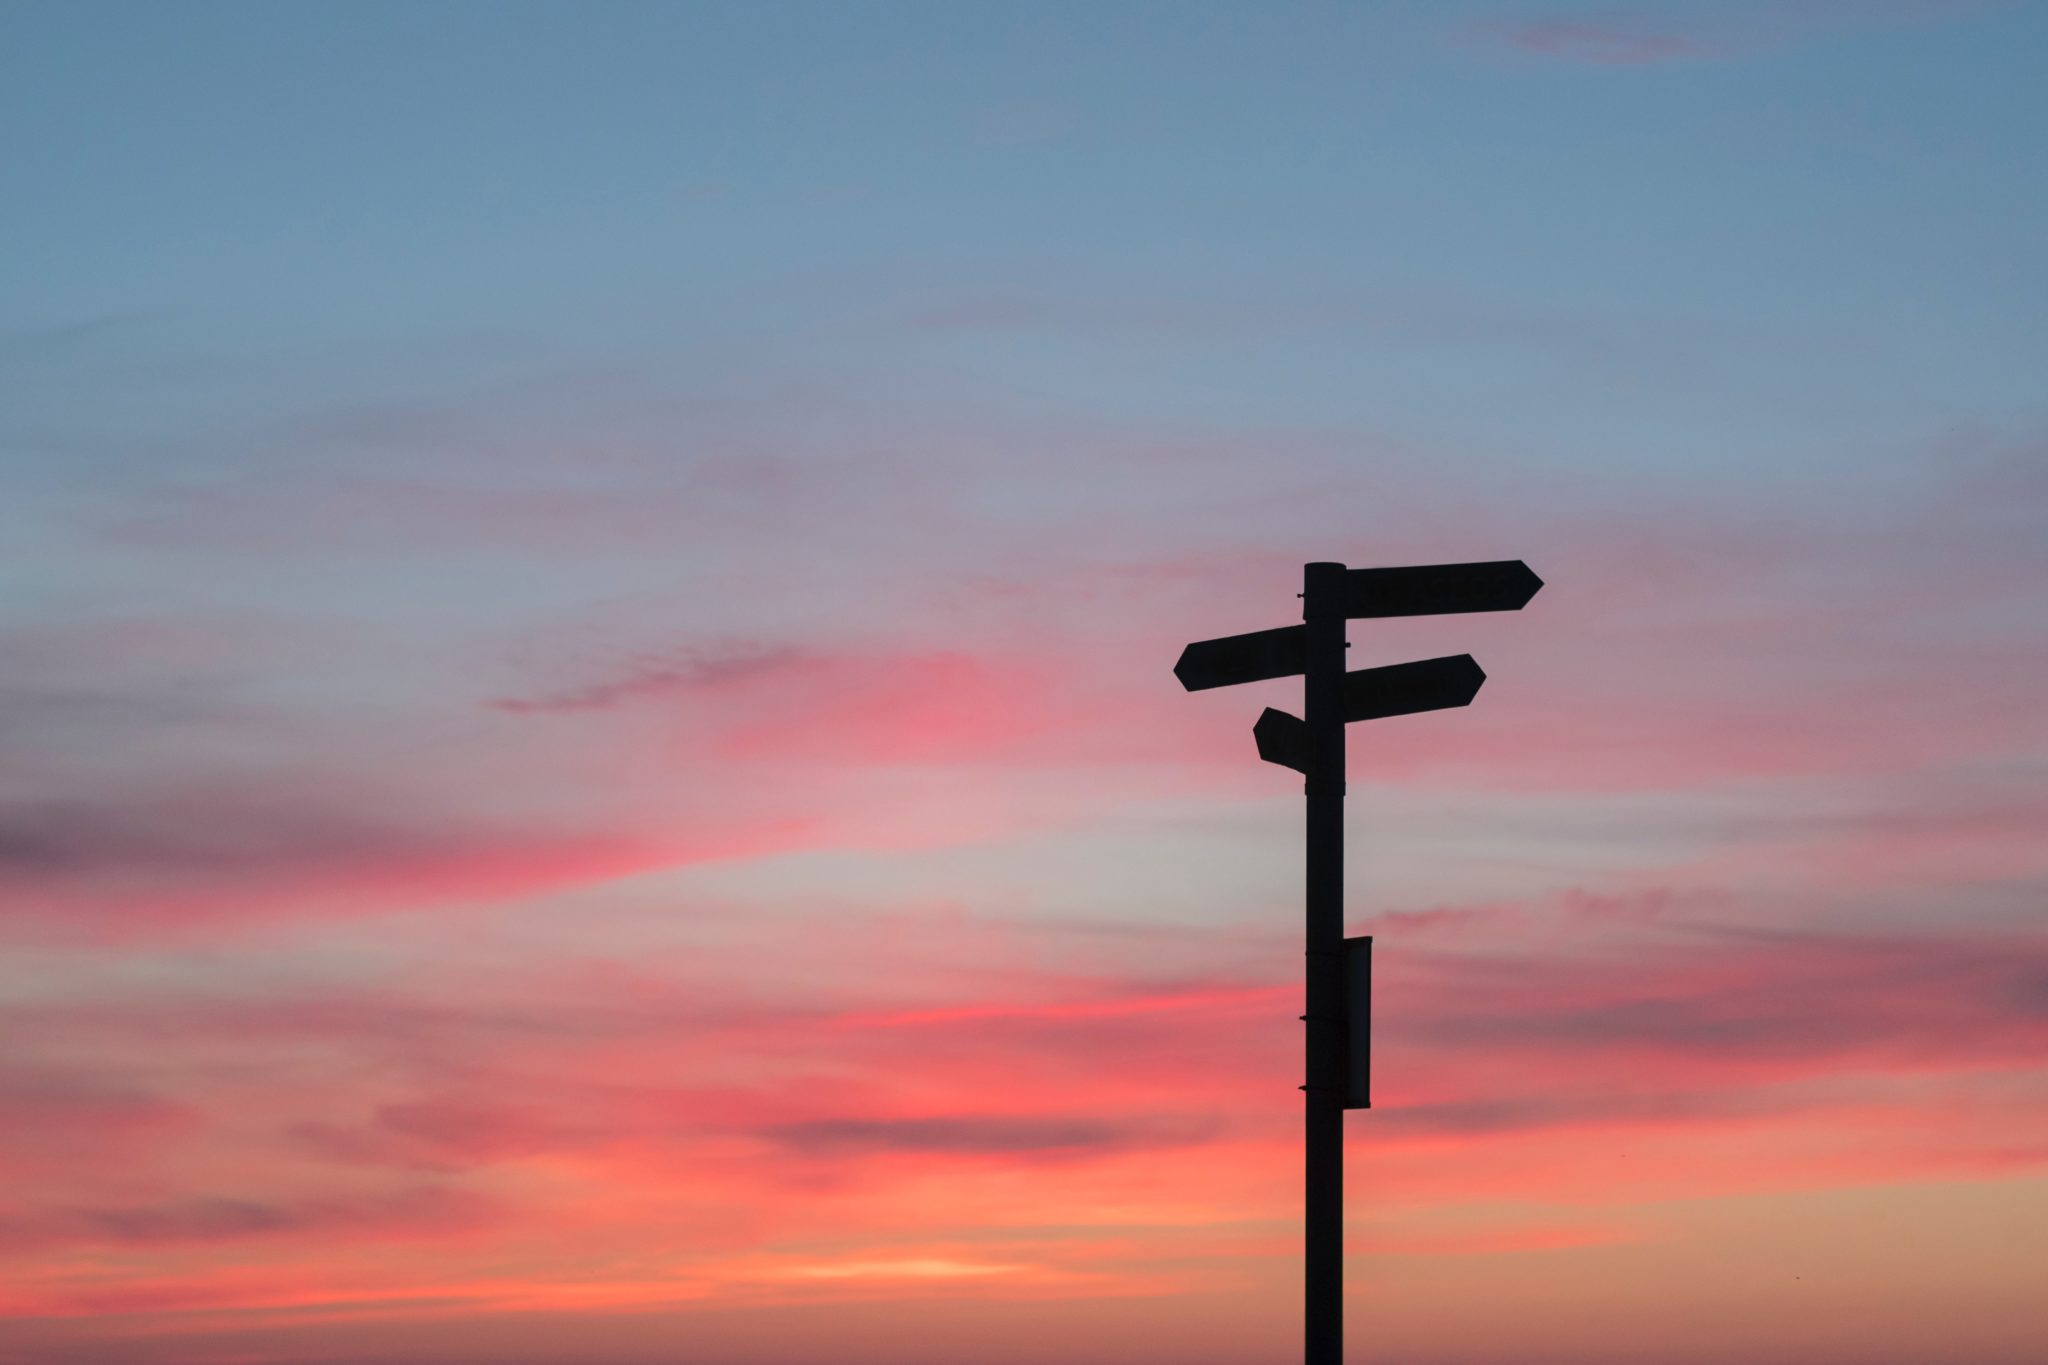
<point x="673" y="1108"/>
<point x="189" y="860"/>
<point x="811" y="1103"/>
<point x="54" y="1119"/>
<point x="948" y="707"/>
<point x="658" y="677"/>
<point x="204" y="1220"/>
<point x="869" y="709"/>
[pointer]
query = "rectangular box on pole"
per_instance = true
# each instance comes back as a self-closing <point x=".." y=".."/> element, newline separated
<point x="1358" y="1022"/>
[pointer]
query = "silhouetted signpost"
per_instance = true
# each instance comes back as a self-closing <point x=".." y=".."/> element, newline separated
<point x="1340" y="969"/>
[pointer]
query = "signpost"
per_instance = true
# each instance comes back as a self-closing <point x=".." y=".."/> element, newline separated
<point x="1243" y="658"/>
<point x="1339" y="970"/>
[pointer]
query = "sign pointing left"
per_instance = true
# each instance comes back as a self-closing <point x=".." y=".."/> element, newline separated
<point x="1282" y="739"/>
<point x="1233" y="659"/>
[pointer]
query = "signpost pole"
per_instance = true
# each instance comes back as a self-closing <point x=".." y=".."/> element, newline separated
<point x="1323" y="612"/>
<point x="1338" y="1015"/>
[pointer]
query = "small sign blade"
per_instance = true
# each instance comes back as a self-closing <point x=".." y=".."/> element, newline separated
<point x="1439" y="589"/>
<point x="1403" y="689"/>
<point x="1282" y="739"/>
<point x="1233" y="659"/>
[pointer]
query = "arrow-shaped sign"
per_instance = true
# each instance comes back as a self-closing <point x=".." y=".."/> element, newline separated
<point x="1439" y="589"/>
<point x="1414" y="590"/>
<point x="1404" y="689"/>
<point x="1283" y="739"/>
<point x="1243" y="658"/>
<point x="1373" y="694"/>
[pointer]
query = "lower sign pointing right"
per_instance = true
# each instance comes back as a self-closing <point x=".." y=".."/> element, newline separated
<point x="1403" y="689"/>
<point x="1373" y="694"/>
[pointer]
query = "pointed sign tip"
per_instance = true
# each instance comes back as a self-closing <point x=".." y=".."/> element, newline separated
<point x="1439" y="589"/>
<point x="1404" y="689"/>
<point x="1282" y="739"/>
<point x="1233" y="659"/>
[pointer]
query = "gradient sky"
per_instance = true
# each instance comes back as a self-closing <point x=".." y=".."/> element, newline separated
<point x="588" y="767"/>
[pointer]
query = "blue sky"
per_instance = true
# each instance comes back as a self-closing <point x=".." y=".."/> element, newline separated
<point x="1337" y="205"/>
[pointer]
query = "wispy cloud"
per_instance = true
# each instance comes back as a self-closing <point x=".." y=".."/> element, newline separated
<point x="982" y="1135"/>
<point x="1031" y="1079"/>
<point x="655" y="676"/>
<point x="1611" y="43"/>
<point x="1635" y="36"/>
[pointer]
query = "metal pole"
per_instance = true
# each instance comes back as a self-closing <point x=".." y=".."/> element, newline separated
<point x="1322" y="609"/>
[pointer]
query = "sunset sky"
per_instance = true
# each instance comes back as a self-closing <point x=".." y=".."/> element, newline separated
<point x="589" y="766"/>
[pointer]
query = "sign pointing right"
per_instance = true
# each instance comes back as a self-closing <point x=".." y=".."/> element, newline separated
<point x="1404" y="689"/>
<point x="1439" y="589"/>
<point x="1374" y="694"/>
